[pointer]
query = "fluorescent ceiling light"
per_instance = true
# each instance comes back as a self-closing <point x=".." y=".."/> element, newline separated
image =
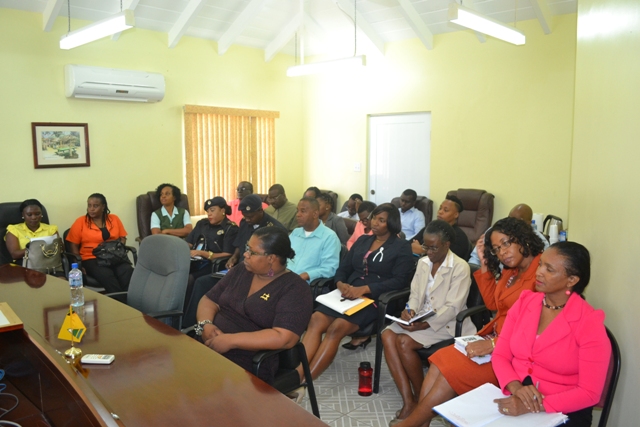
<point x="106" y="27"/>
<point x="320" y="67"/>
<point x="468" y="18"/>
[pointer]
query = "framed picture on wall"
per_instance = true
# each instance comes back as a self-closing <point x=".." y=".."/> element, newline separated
<point x="60" y="145"/>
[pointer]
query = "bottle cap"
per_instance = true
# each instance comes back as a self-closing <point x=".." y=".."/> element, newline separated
<point x="74" y="265"/>
<point x="365" y="365"/>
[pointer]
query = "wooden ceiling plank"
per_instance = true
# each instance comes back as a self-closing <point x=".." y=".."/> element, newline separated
<point x="183" y="22"/>
<point x="283" y="37"/>
<point x="252" y="10"/>
<point x="416" y="22"/>
<point x="50" y="13"/>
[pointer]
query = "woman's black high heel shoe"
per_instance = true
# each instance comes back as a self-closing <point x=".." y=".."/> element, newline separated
<point x="363" y="344"/>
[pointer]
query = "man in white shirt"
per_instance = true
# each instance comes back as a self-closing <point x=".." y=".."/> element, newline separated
<point x="352" y="208"/>
<point x="412" y="219"/>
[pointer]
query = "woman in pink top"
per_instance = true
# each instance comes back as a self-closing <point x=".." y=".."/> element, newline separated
<point x="363" y="226"/>
<point x="553" y="353"/>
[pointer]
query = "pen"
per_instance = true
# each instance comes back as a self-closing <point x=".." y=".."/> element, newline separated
<point x="408" y="310"/>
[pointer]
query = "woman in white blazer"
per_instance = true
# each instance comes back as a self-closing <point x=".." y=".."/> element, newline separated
<point x="441" y="283"/>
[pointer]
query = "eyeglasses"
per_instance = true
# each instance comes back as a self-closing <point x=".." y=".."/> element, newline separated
<point x="431" y="248"/>
<point x="495" y="250"/>
<point x="252" y="253"/>
<point x="241" y="188"/>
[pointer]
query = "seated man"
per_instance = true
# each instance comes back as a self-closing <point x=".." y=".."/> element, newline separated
<point x="254" y="217"/>
<point x="522" y="212"/>
<point x="312" y="192"/>
<point x="331" y="220"/>
<point x="352" y="207"/>
<point x="244" y="189"/>
<point x="317" y="247"/>
<point x="449" y="211"/>
<point x="412" y="219"/>
<point x="280" y="208"/>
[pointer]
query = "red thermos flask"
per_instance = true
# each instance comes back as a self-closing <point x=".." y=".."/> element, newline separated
<point x="365" y="376"/>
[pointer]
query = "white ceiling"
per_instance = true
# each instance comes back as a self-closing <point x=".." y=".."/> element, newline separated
<point x="271" y="24"/>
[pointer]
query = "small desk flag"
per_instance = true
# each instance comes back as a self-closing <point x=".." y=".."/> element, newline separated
<point x="72" y="328"/>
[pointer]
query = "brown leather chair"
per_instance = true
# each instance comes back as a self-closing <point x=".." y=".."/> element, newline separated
<point x="334" y="196"/>
<point x="423" y="204"/>
<point x="263" y="197"/>
<point x="146" y="204"/>
<point x="477" y="215"/>
<point x="351" y="225"/>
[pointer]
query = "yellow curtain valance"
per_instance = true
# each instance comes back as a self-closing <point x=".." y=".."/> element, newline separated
<point x="225" y="111"/>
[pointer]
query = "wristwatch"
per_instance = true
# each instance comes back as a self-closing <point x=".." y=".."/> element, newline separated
<point x="199" y="328"/>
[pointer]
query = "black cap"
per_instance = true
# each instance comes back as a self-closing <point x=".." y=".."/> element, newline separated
<point x="250" y="203"/>
<point x="216" y="201"/>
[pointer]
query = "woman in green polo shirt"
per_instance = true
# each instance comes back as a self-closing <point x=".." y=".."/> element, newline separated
<point x="19" y="235"/>
<point x="170" y="219"/>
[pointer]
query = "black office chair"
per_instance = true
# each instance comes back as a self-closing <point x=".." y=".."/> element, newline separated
<point x="287" y="378"/>
<point x="10" y="214"/>
<point x="88" y="281"/>
<point x="615" y="364"/>
<point x="323" y="285"/>
<point x="159" y="280"/>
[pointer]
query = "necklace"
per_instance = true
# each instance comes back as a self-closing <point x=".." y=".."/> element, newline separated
<point x="511" y="281"/>
<point x="552" y="307"/>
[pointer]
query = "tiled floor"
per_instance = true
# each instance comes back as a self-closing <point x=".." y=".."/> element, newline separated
<point x="337" y="392"/>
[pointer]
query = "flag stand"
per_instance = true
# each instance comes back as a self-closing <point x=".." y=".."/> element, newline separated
<point x="73" y="352"/>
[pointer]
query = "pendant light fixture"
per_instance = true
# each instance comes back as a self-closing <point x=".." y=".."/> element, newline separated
<point x="103" y="28"/>
<point x="466" y="17"/>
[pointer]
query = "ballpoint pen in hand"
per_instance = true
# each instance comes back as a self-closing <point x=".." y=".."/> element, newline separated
<point x="408" y="309"/>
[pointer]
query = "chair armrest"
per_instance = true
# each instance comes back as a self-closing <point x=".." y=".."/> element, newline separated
<point x="134" y="252"/>
<point x="261" y="356"/>
<point x="219" y="264"/>
<point x="467" y="313"/>
<point x="387" y="297"/>
<point x="166" y="313"/>
<point x="318" y="284"/>
<point x="118" y="296"/>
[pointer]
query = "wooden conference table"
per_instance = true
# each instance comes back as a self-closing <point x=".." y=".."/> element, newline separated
<point x="160" y="377"/>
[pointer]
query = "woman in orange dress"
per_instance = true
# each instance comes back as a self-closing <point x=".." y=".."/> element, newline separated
<point x="512" y="243"/>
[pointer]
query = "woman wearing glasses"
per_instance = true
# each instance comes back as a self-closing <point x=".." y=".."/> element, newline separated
<point x="513" y="243"/>
<point x="375" y="264"/>
<point x="258" y="305"/>
<point x="441" y="284"/>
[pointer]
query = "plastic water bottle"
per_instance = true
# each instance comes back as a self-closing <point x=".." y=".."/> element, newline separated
<point x="75" y="281"/>
<point x="533" y="224"/>
<point x="562" y="236"/>
<point x="365" y="374"/>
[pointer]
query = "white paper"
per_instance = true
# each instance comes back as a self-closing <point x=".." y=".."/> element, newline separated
<point x="461" y="344"/>
<point x="335" y="301"/>
<point x="3" y="320"/>
<point x="427" y="312"/>
<point x="478" y="409"/>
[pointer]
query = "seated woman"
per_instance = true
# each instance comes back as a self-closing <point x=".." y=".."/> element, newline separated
<point x="87" y="232"/>
<point x="514" y="244"/>
<point x="554" y="352"/>
<point x="449" y="211"/>
<point x="441" y="283"/>
<point x="375" y="264"/>
<point x="170" y="219"/>
<point x="258" y="305"/>
<point x="364" y="225"/>
<point x="19" y="235"/>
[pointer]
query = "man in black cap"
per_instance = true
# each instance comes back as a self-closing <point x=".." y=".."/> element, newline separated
<point x="253" y="218"/>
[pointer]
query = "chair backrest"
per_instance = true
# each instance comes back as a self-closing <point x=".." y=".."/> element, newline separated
<point x="350" y="224"/>
<point x="10" y="214"/>
<point x="146" y="204"/>
<point x="159" y="280"/>
<point x="423" y="204"/>
<point x="477" y="215"/>
<point x="613" y="373"/>
<point x="334" y="196"/>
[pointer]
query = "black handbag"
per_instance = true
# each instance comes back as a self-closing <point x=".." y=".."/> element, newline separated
<point x="43" y="257"/>
<point x="111" y="253"/>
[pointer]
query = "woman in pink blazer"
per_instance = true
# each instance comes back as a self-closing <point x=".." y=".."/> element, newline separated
<point x="553" y="353"/>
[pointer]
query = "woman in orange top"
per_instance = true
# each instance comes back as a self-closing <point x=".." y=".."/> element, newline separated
<point x="512" y="243"/>
<point x="88" y="231"/>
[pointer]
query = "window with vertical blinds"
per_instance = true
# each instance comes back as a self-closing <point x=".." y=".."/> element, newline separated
<point x="224" y="146"/>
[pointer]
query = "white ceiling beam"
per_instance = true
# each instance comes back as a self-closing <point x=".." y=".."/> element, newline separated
<point x="283" y="38"/>
<point x="126" y="4"/>
<point x="470" y="4"/>
<point x="416" y="23"/>
<point x="541" y="7"/>
<point x="51" y="12"/>
<point x="363" y="24"/>
<point x="237" y="27"/>
<point x="183" y="22"/>
<point x="313" y="27"/>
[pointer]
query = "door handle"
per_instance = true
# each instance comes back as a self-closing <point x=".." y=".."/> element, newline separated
<point x="373" y="191"/>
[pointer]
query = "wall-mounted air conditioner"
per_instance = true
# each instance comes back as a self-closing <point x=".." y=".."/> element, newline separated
<point x="82" y="81"/>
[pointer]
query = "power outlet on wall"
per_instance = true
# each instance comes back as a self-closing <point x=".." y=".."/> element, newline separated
<point x="356" y="167"/>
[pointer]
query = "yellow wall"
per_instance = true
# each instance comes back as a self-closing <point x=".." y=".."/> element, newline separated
<point x="134" y="147"/>
<point x="501" y="115"/>
<point x="605" y="175"/>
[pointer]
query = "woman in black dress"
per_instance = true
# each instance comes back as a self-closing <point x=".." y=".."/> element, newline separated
<point x="258" y="305"/>
<point x="375" y="264"/>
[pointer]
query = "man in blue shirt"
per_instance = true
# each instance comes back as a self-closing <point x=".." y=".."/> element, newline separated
<point x="317" y="247"/>
<point x="412" y="219"/>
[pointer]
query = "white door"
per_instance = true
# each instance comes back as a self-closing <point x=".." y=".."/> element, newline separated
<point x="399" y="155"/>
